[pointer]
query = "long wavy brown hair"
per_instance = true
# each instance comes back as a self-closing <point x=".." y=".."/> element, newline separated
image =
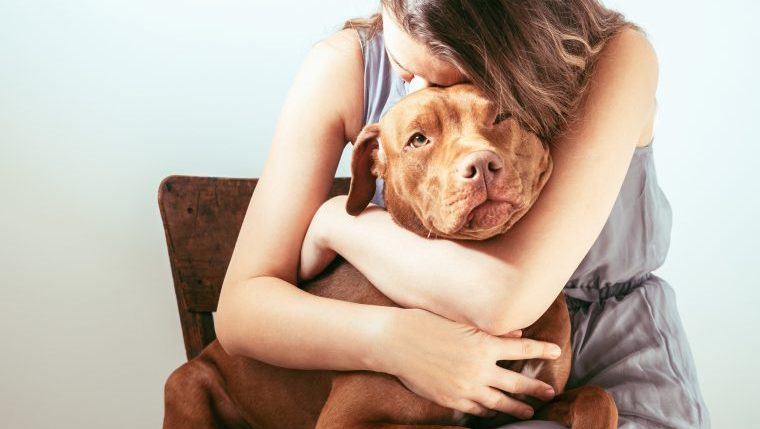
<point x="531" y="57"/>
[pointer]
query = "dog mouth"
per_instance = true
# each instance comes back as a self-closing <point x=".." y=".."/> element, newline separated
<point x="486" y="215"/>
<point x="482" y="216"/>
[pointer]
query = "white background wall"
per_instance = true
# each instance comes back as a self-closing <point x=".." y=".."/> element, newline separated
<point x="101" y="99"/>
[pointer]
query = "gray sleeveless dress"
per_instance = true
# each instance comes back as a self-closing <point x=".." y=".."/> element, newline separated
<point x="626" y="332"/>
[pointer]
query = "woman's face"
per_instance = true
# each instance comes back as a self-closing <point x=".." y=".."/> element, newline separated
<point x="413" y="61"/>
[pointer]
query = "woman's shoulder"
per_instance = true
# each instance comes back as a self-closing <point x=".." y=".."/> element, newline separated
<point x="346" y="42"/>
<point x="633" y="44"/>
<point x="630" y="38"/>
<point x="340" y="54"/>
<point x="628" y="62"/>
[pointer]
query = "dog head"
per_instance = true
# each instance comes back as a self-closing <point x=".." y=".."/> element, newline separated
<point x="452" y="166"/>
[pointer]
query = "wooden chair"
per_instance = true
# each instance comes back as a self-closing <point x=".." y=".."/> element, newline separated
<point x="202" y="217"/>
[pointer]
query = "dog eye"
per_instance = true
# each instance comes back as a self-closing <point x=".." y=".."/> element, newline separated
<point x="418" y="140"/>
<point x="502" y="117"/>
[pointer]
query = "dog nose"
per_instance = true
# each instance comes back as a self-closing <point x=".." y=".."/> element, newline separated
<point x="481" y="164"/>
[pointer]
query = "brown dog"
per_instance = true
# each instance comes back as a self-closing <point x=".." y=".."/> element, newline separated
<point x="453" y="168"/>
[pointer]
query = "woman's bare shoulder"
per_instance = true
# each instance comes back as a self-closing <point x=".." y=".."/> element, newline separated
<point x="343" y="50"/>
<point x="631" y="49"/>
<point x="346" y="40"/>
<point x="315" y="122"/>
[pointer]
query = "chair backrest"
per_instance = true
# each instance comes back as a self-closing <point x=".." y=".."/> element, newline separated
<point x="202" y="217"/>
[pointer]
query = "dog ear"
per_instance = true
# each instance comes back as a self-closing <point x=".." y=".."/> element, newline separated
<point x="362" y="187"/>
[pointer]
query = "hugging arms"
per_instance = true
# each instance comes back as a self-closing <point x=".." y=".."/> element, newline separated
<point x="263" y="315"/>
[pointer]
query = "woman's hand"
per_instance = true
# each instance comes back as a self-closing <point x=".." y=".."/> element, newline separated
<point x="454" y="364"/>
<point x="447" y="362"/>
<point x="316" y="253"/>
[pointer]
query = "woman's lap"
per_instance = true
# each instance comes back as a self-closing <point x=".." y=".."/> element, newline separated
<point x="640" y="355"/>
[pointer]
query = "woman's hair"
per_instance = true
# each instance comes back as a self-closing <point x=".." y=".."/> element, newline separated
<point x="531" y="57"/>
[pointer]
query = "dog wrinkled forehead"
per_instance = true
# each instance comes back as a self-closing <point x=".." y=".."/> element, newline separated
<point x="431" y="109"/>
<point x="434" y="98"/>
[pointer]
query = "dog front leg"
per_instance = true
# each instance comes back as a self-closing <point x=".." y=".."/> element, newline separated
<point x="586" y="407"/>
<point x="374" y="400"/>
<point x="194" y="397"/>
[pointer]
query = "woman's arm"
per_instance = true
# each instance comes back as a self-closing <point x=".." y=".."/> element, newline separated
<point x="261" y="313"/>
<point x="507" y="282"/>
<point x="446" y="277"/>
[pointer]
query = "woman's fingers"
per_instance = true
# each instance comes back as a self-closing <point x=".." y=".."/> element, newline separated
<point x="472" y="407"/>
<point x="524" y="348"/>
<point x="516" y="383"/>
<point x="494" y="399"/>
<point x="513" y="334"/>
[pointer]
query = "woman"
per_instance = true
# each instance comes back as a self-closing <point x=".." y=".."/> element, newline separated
<point x="579" y="76"/>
